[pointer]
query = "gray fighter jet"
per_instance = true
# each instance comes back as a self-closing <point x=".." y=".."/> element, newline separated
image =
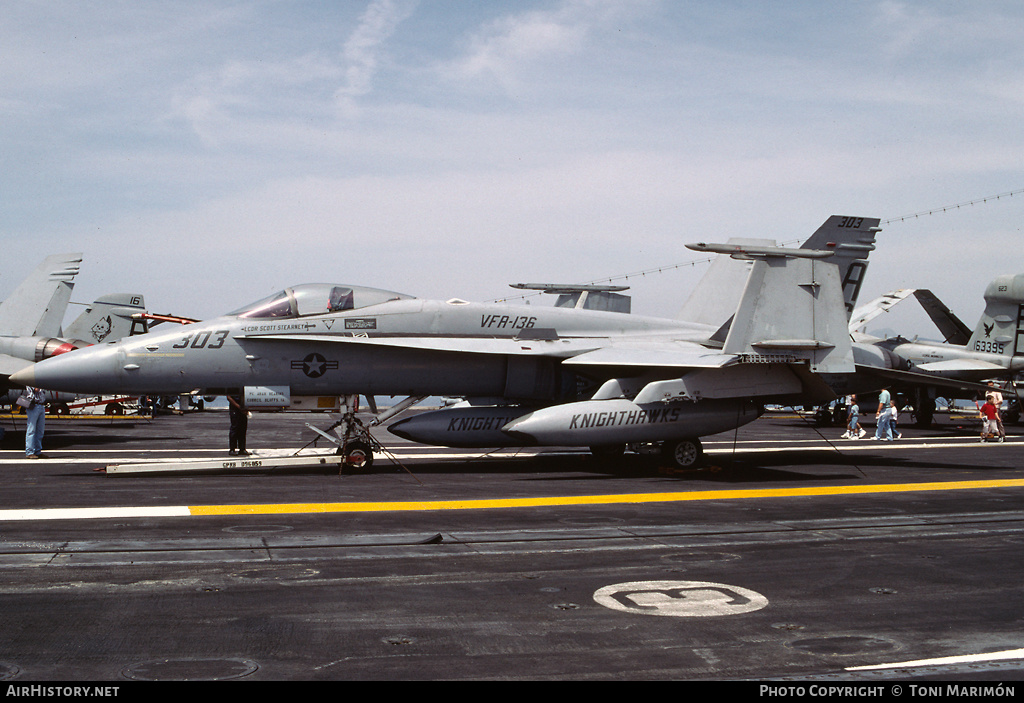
<point x="31" y="317"/>
<point x="536" y="375"/>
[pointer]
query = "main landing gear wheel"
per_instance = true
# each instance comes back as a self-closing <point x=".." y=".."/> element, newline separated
<point x="682" y="454"/>
<point x="357" y="456"/>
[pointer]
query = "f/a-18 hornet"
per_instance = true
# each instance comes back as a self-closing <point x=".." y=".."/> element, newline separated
<point x="534" y="375"/>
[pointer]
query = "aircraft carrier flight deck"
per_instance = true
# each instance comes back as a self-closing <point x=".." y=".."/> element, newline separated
<point x="791" y="555"/>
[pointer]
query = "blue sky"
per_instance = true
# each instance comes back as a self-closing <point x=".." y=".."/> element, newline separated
<point x="208" y="153"/>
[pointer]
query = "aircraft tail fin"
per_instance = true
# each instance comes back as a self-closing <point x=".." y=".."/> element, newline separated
<point x="791" y="309"/>
<point x="1001" y="327"/>
<point x="107" y="319"/>
<point x="850" y="239"/>
<point x="37" y="306"/>
<point x="713" y="300"/>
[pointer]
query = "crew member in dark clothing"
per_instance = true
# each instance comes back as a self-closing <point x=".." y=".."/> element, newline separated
<point x="239" y="422"/>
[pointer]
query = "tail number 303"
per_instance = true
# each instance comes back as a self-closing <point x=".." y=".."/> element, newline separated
<point x="203" y="340"/>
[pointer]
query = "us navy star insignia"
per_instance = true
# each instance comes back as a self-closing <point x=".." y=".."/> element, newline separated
<point x="314" y="365"/>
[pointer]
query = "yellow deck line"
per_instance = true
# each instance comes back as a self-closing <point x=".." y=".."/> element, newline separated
<point x="122" y="512"/>
<point x="487" y="504"/>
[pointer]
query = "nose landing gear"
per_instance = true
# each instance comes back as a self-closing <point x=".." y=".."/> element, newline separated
<point x="355" y="444"/>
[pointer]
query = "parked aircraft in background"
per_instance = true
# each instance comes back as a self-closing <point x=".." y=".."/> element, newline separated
<point x="35" y="310"/>
<point x="584" y="297"/>
<point x="31" y="317"/>
<point x="957" y="367"/>
<point x="536" y="375"/>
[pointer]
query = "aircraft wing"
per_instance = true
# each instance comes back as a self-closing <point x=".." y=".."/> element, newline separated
<point x="962" y="365"/>
<point x="923" y="379"/>
<point x="10" y="364"/>
<point x="953" y="330"/>
<point x="683" y="370"/>
<point x="869" y="311"/>
<point x="652" y="354"/>
<point x="555" y="347"/>
<point x="583" y="352"/>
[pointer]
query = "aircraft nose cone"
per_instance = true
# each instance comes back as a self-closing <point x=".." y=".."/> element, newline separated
<point x="88" y="370"/>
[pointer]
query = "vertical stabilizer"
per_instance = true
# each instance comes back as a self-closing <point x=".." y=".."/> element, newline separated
<point x="107" y="319"/>
<point x="713" y="300"/>
<point x="36" y="308"/>
<point x="850" y="239"/>
<point x="792" y="310"/>
<point x="1001" y="326"/>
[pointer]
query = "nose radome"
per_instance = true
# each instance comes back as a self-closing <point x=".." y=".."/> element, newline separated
<point x="87" y="370"/>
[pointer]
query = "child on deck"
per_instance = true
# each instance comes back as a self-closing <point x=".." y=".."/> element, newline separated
<point x="853" y="428"/>
<point x="896" y="434"/>
<point x="989" y="424"/>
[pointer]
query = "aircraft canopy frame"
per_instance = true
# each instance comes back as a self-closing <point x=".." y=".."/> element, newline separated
<point x="316" y="299"/>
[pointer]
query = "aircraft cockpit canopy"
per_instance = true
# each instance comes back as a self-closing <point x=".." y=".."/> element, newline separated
<point x="317" y="299"/>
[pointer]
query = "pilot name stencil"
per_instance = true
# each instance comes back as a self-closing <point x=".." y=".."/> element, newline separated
<point x="280" y="327"/>
<point x="680" y="599"/>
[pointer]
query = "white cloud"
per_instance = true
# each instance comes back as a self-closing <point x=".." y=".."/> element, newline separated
<point x="449" y="148"/>
<point x="361" y="51"/>
<point x="512" y="46"/>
